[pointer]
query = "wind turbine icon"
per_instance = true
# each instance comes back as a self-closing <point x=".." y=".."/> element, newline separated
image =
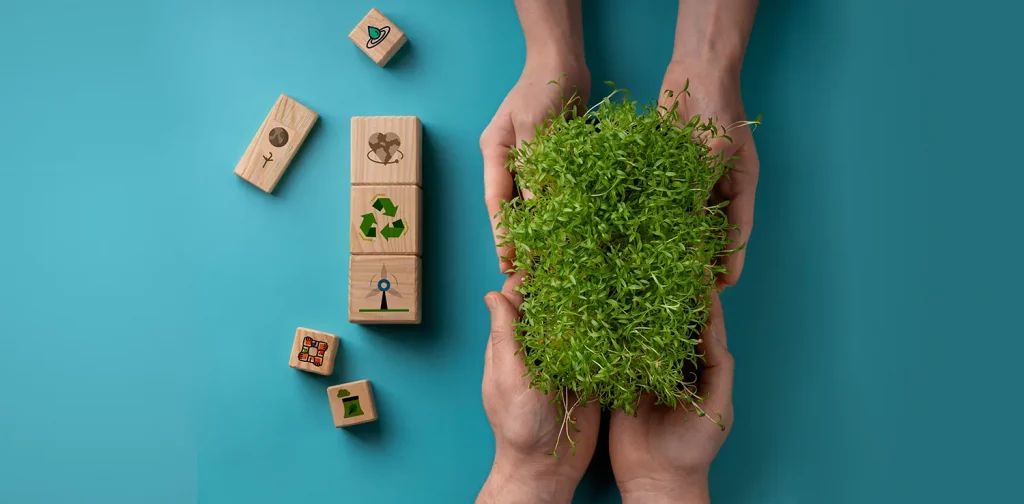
<point x="383" y="285"/>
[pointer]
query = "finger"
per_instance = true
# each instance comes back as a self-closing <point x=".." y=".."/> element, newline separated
<point x="495" y="142"/>
<point x="504" y="346"/>
<point x="717" y="379"/>
<point x="510" y="289"/>
<point x="740" y="189"/>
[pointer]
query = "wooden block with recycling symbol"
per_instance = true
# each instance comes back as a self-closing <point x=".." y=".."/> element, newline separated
<point x="352" y="403"/>
<point x="386" y="150"/>
<point x="385" y="220"/>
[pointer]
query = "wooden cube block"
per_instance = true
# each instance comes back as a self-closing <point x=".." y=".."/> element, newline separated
<point x="378" y="37"/>
<point x="314" y="351"/>
<point x="386" y="150"/>
<point x="275" y="143"/>
<point x="385" y="220"/>
<point x="352" y="403"/>
<point x="384" y="289"/>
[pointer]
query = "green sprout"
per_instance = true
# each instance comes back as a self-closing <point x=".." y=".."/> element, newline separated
<point x="620" y="243"/>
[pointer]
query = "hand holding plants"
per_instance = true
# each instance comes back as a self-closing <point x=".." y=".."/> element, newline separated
<point x="554" y="47"/>
<point x="711" y="40"/>
<point x="525" y="421"/>
<point x="662" y="454"/>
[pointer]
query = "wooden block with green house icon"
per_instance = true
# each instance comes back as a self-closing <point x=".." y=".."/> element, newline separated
<point x="352" y="403"/>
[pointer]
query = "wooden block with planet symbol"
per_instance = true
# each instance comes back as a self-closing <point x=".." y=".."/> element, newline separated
<point x="352" y="403"/>
<point x="385" y="220"/>
<point x="386" y="150"/>
<point x="314" y="351"/>
<point x="384" y="289"/>
<point x="378" y="37"/>
<point x="275" y="143"/>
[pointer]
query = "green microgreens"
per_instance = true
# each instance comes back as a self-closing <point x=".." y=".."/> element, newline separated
<point x="620" y="248"/>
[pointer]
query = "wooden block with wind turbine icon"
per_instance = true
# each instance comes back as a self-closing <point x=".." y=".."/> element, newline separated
<point x="384" y="289"/>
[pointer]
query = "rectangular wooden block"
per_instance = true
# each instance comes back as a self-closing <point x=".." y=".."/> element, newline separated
<point x="386" y="150"/>
<point x="352" y="403"/>
<point x="385" y="220"/>
<point x="378" y="37"/>
<point x="314" y="351"/>
<point x="384" y="289"/>
<point x="275" y="143"/>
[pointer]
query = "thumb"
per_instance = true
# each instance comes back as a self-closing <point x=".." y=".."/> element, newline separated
<point x="502" y="339"/>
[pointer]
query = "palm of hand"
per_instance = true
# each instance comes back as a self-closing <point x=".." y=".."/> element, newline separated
<point x="662" y="445"/>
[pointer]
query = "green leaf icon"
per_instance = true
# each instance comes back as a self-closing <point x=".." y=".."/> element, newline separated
<point x="344" y="393"/>
<point x="374" y="32"/>
<point x="352" y="408"/>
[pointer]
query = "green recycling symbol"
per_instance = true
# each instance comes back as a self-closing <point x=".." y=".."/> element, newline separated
<point x="384" y="206"/>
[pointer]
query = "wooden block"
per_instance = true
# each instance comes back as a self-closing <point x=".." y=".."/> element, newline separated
<point x="275" y="143"/>
<point x="314" y="351"/>
<point x="378" y="37"/>
<point x="352" y="403"/>
<point x="386" y="150"/>
<point x="385" y="220"/>
<point x="384" y="289"/>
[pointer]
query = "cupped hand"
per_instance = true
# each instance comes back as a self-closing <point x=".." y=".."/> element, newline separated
<point x="525" y="422"/>
<point x="714" y="92"/>
<point x="663" y="454"/>
<point x="527" y="105"/>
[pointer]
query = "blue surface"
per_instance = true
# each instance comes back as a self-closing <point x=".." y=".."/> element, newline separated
<point x="148" y="296"/>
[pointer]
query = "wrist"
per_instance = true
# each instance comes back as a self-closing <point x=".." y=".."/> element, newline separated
<point x="712" y="35"/>
<point x="515" y="480"/>
<point x="688" y="490"/>
<point x="553" y="29"/>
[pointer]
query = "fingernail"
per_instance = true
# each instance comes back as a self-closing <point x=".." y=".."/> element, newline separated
<point x="490" y="301"/>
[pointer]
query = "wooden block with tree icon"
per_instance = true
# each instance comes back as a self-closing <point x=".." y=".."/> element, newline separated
<point x="385" y="220"/>
<point x="386" y="150"/>
<point x="384" y="289"/>
<point x="352" y="403"/>
<point x="275" y="143"/>
<point x="314" y="351"/>
<point x="378" y="37"/>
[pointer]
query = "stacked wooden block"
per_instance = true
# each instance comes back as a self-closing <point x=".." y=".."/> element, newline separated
<point x="314" y="352"/>
<point x="385" y="235"/>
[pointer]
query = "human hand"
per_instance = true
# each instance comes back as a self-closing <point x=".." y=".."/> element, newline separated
<point x="525" y="424"/>
<point x="554" y="47"/>
<point x="711" y="39"/>
<point x="663" y="455"/>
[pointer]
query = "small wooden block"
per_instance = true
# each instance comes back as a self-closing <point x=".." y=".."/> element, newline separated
<point x="384" y="289"/>
<point x="276" y="143"/>
<point x="386" y="150"/>
<point x="378" y="37"/>
<point x="352" y="403"/>
<point x="385" y="220"/>
<point x="314" y="351"/>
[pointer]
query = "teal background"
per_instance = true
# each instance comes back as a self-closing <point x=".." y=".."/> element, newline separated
<point x="148" y="297"/>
